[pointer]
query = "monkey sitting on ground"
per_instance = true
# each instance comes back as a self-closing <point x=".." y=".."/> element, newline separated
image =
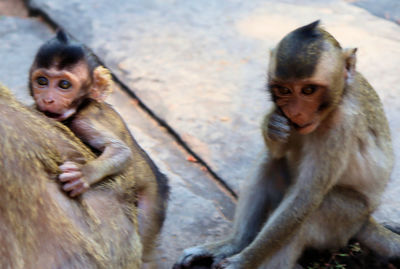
<point x="329" y="159"/>
<point x="68" y="85"/>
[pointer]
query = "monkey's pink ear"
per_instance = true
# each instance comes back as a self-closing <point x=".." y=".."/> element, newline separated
<point x="102" y="84"/>
<point x="350" y="60"/>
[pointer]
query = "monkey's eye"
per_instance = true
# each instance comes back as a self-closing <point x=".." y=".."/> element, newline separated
<point x="308" y="90"/>
<point x="280" y="90"/>
<point x="42" y="81"/>
<point x="64" y="84"/>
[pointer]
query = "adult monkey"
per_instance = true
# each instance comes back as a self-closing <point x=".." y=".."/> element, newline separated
<point x="40" y="227"/>
<point x="329" y="159"/>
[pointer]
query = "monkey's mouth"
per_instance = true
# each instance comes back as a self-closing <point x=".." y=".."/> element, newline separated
<point x="305" y="128"/>
<point x="52" y="115"/>
<point x="297" y="126"/>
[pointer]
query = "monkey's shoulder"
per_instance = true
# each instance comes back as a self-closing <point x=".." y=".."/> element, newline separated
<point x="370" y="102"/>
<point x="364" y="89"/>
<point x="100" y="116"/>
<point x="94" y="109"/>
<point x="366" y="109"/>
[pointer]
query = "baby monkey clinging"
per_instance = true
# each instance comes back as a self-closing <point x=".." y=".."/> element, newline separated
<point x="68" y="85"/>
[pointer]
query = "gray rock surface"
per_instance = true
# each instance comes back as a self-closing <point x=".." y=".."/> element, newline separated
<point x="14" y="8"/>
<point x="388" y="9"/>
<point x="19" y="41"/>
<point x="199" y="210"/>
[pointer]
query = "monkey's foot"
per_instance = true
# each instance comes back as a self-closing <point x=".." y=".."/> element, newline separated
<point x="193" y="256"/>
<point x="233" y="262"/>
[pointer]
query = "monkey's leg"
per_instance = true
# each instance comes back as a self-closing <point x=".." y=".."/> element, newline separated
<point x="378" y="238"/>
<point x="263" y="194"/>
<point x="330" y="226"/>
<point x="151" y="213"/>
<point x="287" y="256"/>
<point x="338" y="218"/>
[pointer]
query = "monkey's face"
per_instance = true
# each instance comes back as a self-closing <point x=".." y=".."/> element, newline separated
<point x="307" y="101"/>
<point x="300" y="102"/>
<point x="57" y="93"/>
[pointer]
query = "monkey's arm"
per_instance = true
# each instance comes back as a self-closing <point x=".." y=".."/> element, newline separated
<point x="115" y="154"/>
<point x="114" y="157"/>
<point x="321" y="167"/>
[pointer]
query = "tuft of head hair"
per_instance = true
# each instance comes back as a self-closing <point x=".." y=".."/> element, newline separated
<point x="62" y="52"/>
<point x="62" y="36"/>
<point x="299" y="51"/>
<point x="59" y="52"/>
<point x="310" y="30"/>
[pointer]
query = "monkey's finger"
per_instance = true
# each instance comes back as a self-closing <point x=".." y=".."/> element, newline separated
<point x="280" y="119"/>
<point x="219" y="262"/>
<point x="277" y="134"/>
<point x="219" y="265"/>
<point x="280" y="126"/>
<point x="73" y="185"/>
<point x="71" y="176"/>
<point x="69" y="166"/>
<point x="187" y="260"/>
<point x="80" y="190"/>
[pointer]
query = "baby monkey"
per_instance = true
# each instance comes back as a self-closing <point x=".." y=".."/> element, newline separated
<point x="68" y="85"/>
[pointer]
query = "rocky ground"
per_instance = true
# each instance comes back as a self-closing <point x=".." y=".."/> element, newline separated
<point x="190" y="84"/>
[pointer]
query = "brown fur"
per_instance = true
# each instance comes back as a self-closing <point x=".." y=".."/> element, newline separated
<point x="40" y="226"/>
<point x="139" y="170"/>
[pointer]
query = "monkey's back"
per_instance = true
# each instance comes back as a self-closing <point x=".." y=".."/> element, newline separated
<point x="372" y="107"/>
<point x="373" y="113"/>
<point x="41" y="227"/>
<point x="371" y="161"/>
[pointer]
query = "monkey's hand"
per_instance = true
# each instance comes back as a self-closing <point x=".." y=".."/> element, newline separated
<point x="278" y="127"/>
<point x="191" y="256"/>
<point x="207" y="254"/>
<point x="73" y="179"/>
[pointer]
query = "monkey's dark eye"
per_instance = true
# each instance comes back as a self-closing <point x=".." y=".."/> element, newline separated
<point x="310" y="89"/>
<point x="280" y="90"/>
<point x="64" y="84"/>
<point x="42" y="81"/>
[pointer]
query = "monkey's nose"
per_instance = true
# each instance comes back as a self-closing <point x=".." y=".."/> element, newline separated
<point x="48" y="101"/>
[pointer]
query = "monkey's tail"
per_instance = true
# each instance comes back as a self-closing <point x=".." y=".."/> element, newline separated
<point x="380" y="239"/>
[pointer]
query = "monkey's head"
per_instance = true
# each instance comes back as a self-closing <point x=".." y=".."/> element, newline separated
<point x="307" y="75"/>
<point x="63" y="75"/>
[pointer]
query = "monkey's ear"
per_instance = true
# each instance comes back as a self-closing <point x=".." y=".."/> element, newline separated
<point x="350" y="60"/>
<point x="102" y="84"/>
